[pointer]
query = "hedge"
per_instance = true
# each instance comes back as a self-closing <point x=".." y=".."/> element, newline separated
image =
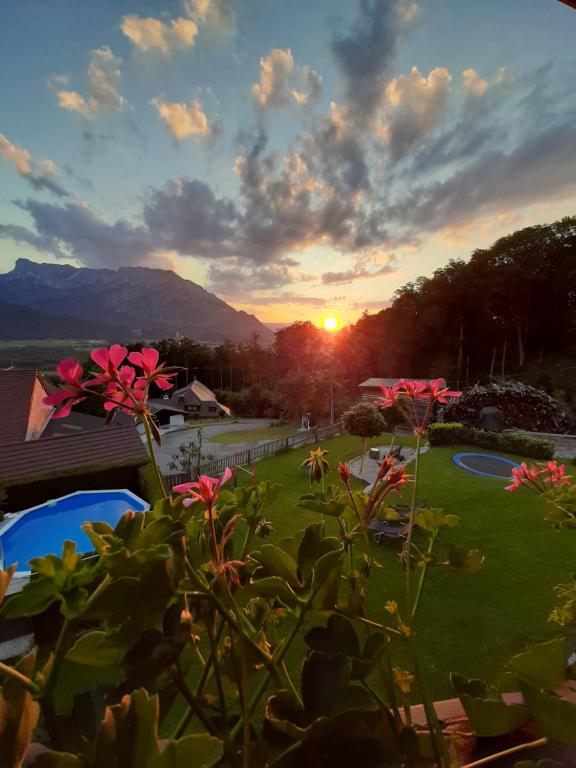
<point x="459" y="434"/>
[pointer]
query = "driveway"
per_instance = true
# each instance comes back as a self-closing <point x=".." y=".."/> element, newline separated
<point x="173" y="438"/>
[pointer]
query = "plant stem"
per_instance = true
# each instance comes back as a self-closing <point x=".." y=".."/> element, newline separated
<point x="423" y="574"/>
<point x="439" y="744"/>
<point x="26" y="682"/>
<point x="411" y="530"/>
<point x="277" y="659"/>
<point x="47" y="700"/>
<point x="511" y="751"/>
<point x="159" y="478"/>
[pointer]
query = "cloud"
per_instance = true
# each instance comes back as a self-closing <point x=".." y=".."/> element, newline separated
<point x="414" y="106"/>
<point x="237" y="279"/>
<point x="473" y="84"/>
<point x="75" y="231"/>
<point x="42" y="243"/>
<point x="181" y="120"/>
<point x="39" y="174"/>
<point x="283" y="82"/>
<point x="366" y="53"/>
<point x="149" y="34"/>
<point x="294" y="298"/>
<point x="216" y="14"/>
<point x="359" y="272"/>
<point x="539" y="168"/>
<point x="377" y="304"/>
<point x="103" y="87"/>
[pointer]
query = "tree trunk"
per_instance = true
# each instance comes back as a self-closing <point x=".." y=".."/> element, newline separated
<point x="504" y="355"/>
<point x="521" y="354"/>
<point x="493" y="361"/>
<point x="460" y="354"/>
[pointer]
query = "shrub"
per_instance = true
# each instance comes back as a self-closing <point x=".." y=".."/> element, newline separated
<point x="521" y="406"/>
<point x="364" y="420"/>
<point x="457" y="433"/>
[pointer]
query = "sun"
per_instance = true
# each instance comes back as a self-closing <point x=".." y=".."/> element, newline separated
<point x="330" y="324"/>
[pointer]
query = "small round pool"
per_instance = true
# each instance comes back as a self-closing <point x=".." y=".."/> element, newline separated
<point x="42" y="530"/>
<point x="486" y="464"/>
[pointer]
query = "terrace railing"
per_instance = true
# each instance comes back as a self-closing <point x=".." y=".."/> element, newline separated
<point x="216" y="467"/>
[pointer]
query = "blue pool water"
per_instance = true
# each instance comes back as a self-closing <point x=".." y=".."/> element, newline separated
<point x="43" y="530"/>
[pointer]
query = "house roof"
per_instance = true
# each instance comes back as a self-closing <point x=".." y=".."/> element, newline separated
<point x="16" y="387"/>
<point x="200" y="390"/>
<point x="70" y="454"/>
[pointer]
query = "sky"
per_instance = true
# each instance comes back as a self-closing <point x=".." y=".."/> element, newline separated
<point x="298" y="158"/>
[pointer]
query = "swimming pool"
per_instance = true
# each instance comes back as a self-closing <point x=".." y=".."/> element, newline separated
<point x="42" y="530"/>
<point x="486" y="464"/>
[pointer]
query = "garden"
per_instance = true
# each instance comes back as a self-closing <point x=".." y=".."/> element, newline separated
<point x="250" y="620"/>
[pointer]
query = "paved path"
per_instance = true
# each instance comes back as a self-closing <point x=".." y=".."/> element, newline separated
<point x="564" y="445"/>
<point x="370" y="468"/>
<point x="172" y="439"/>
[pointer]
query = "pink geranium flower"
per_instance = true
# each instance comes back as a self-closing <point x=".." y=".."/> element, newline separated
<point x="527" y="476"/>
<point x="70" y="371"/>
<point x="148" y="361"/>
<point x="434" y="390"/>
<point x="108" y="360"/>
<point x="205" y="489"/>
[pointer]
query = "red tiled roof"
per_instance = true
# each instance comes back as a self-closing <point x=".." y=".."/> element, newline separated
<point x="16" y="389"/>
<point x="71" y="454"/>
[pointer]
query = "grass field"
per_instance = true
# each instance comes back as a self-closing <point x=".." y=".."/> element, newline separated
<point x="470" y="624"/>
<point x="254" y="435"/>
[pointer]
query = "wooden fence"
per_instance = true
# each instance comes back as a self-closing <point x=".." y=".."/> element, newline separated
<point x="216" y="467"/>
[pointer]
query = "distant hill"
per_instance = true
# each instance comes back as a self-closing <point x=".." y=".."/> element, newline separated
<point x="59" y="301"/>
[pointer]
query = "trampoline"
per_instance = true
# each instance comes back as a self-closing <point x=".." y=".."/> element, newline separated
<point x="486" y="464"/>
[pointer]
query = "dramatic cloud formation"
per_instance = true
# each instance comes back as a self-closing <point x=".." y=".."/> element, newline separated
<point x="415" y="105"/>
<point x="154" y="35"/>
<point x="181" y="120"/>
<point x="103" y="87"/>
<point x="75" y="231"/>
<point x="281" y="80"/>
<point x="366" y="53"/>
<point x="39" y="174"/>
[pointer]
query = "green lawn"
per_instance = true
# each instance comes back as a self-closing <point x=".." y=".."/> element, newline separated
<point x="467" y="623"/>
<point x="254" y="435"/>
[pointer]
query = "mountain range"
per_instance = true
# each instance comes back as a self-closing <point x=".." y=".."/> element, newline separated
<point x="41" y="301"/>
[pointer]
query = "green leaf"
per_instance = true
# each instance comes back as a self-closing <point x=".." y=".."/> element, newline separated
<point x="198" y="750"/>
<point x="277" y="562"/>
<point x="464" y="560"/>
<point x="270" y="588"/>
<point x="317" y="502"/>
<point x="488" y="713"/>
<point x="313" y="545"/>
<point x="542" y="665"/>
<point x="57" y="760"/>
<point x="556" y="717"/>
<point x="97" y="649"/>
<point x="38" y="594"/>
<point x="338" y="637"/>
<point x="326" y="580"/>
<point x="432" y="519"/>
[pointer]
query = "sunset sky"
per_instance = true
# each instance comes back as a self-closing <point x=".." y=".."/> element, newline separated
<point x="296" y="157"/>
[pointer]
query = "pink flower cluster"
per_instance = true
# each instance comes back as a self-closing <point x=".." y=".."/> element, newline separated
<point x="207" y="489"/>
<point x="407" y="392"/>
<point x="120" y="386"/>
<point x="540" y="478"/>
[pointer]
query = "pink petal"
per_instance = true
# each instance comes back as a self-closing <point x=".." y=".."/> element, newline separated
<point x="117" y="354"/>
<point x="226" y="476"/>
<point x="135" y="358"/>
<point x="100" y="357"/>
<point x="150" y="357"/>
